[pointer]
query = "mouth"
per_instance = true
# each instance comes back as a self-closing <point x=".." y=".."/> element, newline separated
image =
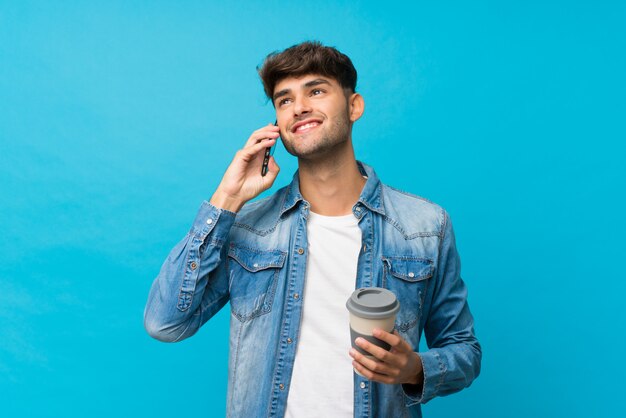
<point x="305" y="126"/>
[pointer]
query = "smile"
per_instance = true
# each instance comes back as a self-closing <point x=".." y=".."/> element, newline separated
<point x="301" y="128"/>
<point x="306" y="127"/>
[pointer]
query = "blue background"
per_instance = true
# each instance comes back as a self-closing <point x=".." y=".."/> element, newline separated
<point x="117" y="120"/>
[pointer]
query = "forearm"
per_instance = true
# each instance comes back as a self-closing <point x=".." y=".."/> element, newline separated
<point x="190" y="287"/>
<point x="454" y="356"/>
<point x="449" y="369"/>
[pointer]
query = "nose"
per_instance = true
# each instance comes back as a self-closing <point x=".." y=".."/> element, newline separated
<point x="301" y="106"/>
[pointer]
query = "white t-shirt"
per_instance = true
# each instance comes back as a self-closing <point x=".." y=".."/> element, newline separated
<point x="322" y="380"/>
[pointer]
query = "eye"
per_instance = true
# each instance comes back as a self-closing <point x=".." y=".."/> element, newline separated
<point x="284" y="101"/>
<point x="316" y="92"/>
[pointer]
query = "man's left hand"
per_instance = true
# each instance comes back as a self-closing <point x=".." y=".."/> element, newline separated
<point x="399" y="365"/>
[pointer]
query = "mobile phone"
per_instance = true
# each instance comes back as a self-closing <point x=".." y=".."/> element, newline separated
<point x="268" y="152"/>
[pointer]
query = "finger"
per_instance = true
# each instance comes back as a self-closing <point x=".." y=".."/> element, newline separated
<point x="394" y="340"/>
<point x="371" y="364"/>
<point x="403" y="342"/>
<point x="272" y="167"/>
<point x="370" y="375"/>
<point x="272" y="172"/>
<point x="253" y="150"/>
<point x="260" y="136"/>
<point x="378" y="352"/>
<point x="269" y="131"/>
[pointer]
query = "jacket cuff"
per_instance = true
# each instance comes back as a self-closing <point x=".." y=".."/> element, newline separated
<point x="213" y="220"/>
<point x="434" y="372"/>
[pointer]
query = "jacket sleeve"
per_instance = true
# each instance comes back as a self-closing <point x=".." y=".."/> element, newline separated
<point x="453" y="359"/>
<point x="193" y="282"/>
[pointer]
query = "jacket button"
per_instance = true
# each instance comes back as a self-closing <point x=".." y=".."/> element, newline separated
<point x="300" y="251"/>
<point x="411" y="274"/>
<point x="296" y="296"/>
<point x="289" y="340"/>
<point x="362" y="385"/>
<point x="194" y="265"/>
<point x="281" y="386"/>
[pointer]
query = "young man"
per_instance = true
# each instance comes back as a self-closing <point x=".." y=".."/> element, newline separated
<point x="288" y="263"/>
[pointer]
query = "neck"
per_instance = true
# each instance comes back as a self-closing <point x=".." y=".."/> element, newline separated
<point x="332" y="186"/>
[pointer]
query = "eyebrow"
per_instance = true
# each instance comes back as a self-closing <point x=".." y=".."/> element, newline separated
<point x="308" y="84"/>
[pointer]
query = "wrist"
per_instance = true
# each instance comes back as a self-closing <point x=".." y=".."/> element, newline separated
<point x="417" y="378"/>
<point x="224" y="201"/>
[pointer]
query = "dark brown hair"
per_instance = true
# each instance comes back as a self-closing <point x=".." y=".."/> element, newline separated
<point x="310" y="57"/>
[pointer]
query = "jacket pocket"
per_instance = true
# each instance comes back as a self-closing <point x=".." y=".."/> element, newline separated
<point x="407" y="277"/>
<point x="253" y="276"/>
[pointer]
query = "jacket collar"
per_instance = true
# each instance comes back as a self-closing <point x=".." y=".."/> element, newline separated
<point x="371" y="195"/>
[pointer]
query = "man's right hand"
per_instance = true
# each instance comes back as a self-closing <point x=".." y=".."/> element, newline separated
<point x="242" y="180"/>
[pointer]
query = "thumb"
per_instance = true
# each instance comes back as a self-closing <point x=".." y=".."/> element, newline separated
<point x="272" y="170"/>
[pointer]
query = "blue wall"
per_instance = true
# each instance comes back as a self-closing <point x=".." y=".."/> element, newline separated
<point x="116" y="122"/>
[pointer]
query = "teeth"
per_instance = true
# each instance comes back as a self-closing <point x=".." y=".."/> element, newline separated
<point x="307" y="126"/>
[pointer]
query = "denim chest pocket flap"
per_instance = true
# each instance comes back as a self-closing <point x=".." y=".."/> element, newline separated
<point x="253" y="279"/>
<point x="255" y="260"/>
<point x="410" y="269"/>
<point x="406" y="278"/>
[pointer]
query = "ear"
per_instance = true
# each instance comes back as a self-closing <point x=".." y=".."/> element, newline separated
<point x="356" y="106"/>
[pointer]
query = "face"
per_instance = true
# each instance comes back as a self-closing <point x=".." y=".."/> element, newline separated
<point x="314" y="115"/>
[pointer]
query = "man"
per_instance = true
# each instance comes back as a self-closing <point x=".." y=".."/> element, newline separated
<point x="288" y="263"/>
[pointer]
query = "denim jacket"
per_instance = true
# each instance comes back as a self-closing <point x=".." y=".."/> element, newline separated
<point x="256" y="260"/>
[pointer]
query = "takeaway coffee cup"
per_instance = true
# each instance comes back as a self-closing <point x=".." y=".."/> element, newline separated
<point x="371" y="307"/>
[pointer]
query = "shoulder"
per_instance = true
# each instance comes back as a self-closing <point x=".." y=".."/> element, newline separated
<point x="413" y="215"/>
